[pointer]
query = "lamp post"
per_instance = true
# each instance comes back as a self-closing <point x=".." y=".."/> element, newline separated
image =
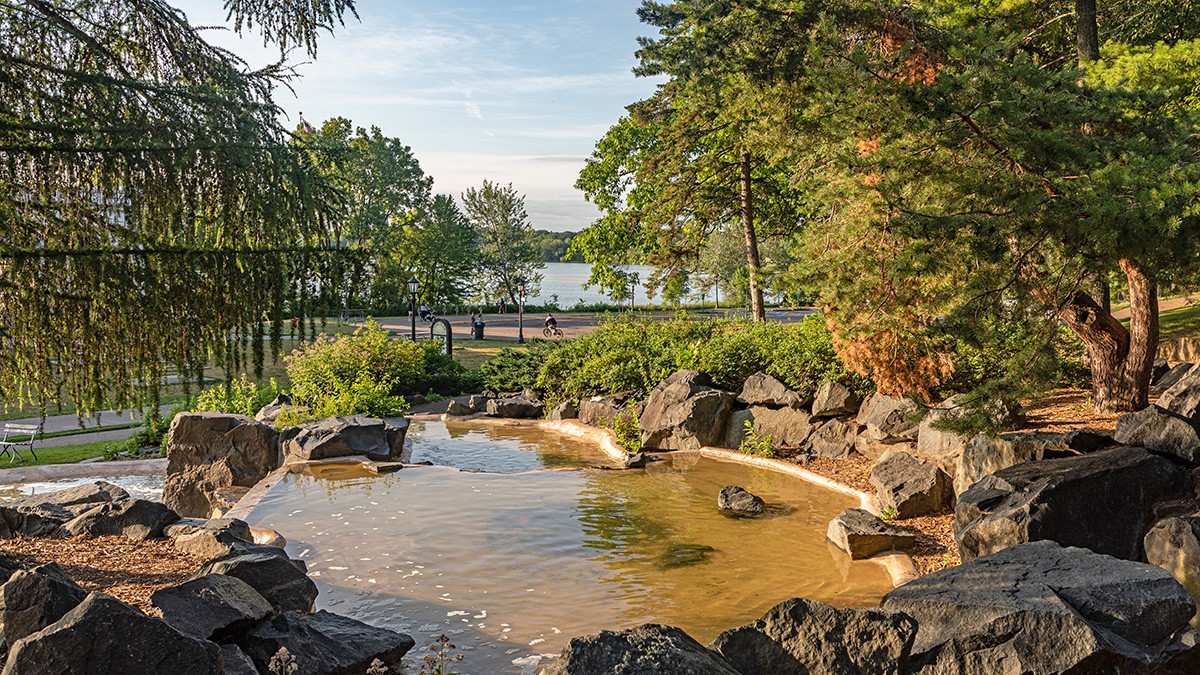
<point x="521" y="311"/>
<point x="413" y="285"/>
<point x="716" y="292"/>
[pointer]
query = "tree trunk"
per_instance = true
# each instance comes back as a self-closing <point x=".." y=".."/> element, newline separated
<point x="1087" y="37"/>
<point x="1121" y="360"/>
<point x="752" y="261"/>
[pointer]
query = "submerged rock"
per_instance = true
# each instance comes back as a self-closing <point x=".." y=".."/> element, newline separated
<point x="737" y="500"/>
<point x="806" y="636"/>
<point x="649" y="649"/>
<point x="681" y="555"/>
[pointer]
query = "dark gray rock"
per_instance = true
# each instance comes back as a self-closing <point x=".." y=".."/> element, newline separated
<point x="682" y="414"/>
<point x="133" y="518"/>
<point x="188" y="526"/>
<point x="1174" y="545"/>
<point x="103" y="636"/>
<point x="735" y="428"/>
<point x="1161" y="430"/>
<point x="1161" y="367"/>
<point x="235" y="662"/>
<point x="1169" y="378"/>
<point x="8" y="567"/>
<point x="889" y="419"/>
<point x="34" y="521"/>
<point x="516" y="407"/>
<point x="649" y="649"/>
<point x="275" y="578"/>
<point x="737" y="500"/>
<point x="986" y="455"/>
<point x="600" y="411"/>
<point x="35" y="598"/>
<point x="911" y="486"/>
<point x="1183" y="397"/>
<point x="478" y="402"/>
<point x="762" y="389"/>
<point x="212" y="607"/>
<point x="1042" y="608"/>
<point x="834" y="438"/>
<point x="862" y="534"/>
<point x="271" y="411"/>
<point x="943" y="447"/>
<point x="683" y="554"/>
<point x="636" y="461"/>
<point x="788" y="427"/>
<point x="806" y="636"/>
<point x="565" y="410"/>
<point x="834" y="399"/>
<point x="457" y="408"/>
<point x="379" y="440"/>
<point x="1103" y="501"/>
<point x="209" y="451"/>
<point x="92" y="493"/>
<point x="324" y="644"/>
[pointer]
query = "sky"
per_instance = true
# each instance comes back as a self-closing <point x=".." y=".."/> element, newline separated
<point x="514" y="93"/>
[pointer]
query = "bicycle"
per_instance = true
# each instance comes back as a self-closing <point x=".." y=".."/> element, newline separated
<point x="552" y="332"/>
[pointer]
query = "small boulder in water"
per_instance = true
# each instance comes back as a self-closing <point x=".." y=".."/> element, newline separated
<point x="636" y="461"/>
<point x="738" y="501"/>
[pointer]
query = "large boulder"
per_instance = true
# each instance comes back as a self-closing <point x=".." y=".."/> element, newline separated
<point x="515" y="407"/>
<point x="683" y="414"/>
<point x="788" y="427"/>
<point x="103" y="636"/>
<point x="379" y="440"/>
<point x="272" y="575"/>
<point x="762" y="389"/>
<point x="478" y="402"/>
<point x="35" y="598"/>
<point x="210" y="538"/>
<point x="1161" y="430"/>
<point x="889" y="419"/>
<point x="1169" y="378"/>
<point x="735" y="428"/>
<point x="874" y="449"/>
<point x="600" y="411"/>
<point x="1183" y="397"/>
<point x="565" y="410"/>
<point x="456" y="408"/>
<point x="738" y="501"/>
<point x="133" y="518"/>
<point x="213" y="607"/>
<point x="1042" y="608"/>
<point x="324" y="644"/>
<point x="649" y="649"/>
<point x="943" y="447"/>
<point x="90" y="493"/>
<point x="835" y="438"/>
<point x="861" y="534"/>
<point x="37" y="520"/>
<point x="1103" y="501"/>
<point x="986" y="455"/>
<point x="806" y="636"/>
<point x="1174" y="545"/>
<point x="208" y="451"/>
<point x="834" y="399"/>
<point x="910" y="486"/>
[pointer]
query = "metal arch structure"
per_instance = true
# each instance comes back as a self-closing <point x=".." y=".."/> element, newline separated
<point x="440" y="329"/>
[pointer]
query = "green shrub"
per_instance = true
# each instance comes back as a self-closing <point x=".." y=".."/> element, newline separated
<point x="517" y="369"/>
<point x="754" y="444"/>
<point x="240" y="396"/>
<point x="627" y="427"/>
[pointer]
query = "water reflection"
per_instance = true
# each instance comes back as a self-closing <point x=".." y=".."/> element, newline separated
<point x="512" y="563"/>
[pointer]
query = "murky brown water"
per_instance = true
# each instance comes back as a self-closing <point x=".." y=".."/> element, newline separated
<point x="513" y="562"/>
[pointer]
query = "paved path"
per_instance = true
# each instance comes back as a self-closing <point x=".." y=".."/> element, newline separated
<point x="96" y="422"/>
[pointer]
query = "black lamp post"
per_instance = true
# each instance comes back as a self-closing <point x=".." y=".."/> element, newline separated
<point x="413" y="285"/>
<point x="521" y="312"/>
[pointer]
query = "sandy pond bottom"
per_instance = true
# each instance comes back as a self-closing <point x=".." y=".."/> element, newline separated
<point x="517" y="542"/>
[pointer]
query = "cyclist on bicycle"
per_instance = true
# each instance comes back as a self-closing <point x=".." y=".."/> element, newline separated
<point x="551" y="322"/>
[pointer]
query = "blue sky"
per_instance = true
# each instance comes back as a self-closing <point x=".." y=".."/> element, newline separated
<point x="514" y="93"/>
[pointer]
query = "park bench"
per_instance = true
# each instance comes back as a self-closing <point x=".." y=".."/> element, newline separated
<point x="13" y="448"/>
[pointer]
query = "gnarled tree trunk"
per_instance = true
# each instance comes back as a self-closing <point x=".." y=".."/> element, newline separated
<point x="752" y="261"/>
<point x="1121" y="359"/>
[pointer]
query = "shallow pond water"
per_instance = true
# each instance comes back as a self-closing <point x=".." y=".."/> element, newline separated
<point x="518" y="541"/>
<point x="141" y="487"/>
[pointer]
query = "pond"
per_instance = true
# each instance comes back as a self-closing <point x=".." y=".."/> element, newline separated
<point x="520" y="539"/>
<point x="141" y="487"/>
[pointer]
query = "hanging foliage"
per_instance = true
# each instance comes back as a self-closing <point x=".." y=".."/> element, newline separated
<point x="154" y="215"/>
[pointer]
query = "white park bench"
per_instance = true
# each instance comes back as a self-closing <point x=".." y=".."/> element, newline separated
<point x="13" y="448"/>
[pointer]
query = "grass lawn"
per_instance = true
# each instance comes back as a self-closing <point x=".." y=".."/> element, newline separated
<point x="63" y="454"/>
<point x="1180" y="322"/>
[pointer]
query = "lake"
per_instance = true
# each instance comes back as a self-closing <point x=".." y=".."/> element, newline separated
<point x="566" y="280"/>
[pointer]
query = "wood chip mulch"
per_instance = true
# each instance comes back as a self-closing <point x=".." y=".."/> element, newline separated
<point x="1067" y="410"/>
<point x="936" y="548"/>
<point x="126" y="569"/>
<point x="852" y="471"/>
